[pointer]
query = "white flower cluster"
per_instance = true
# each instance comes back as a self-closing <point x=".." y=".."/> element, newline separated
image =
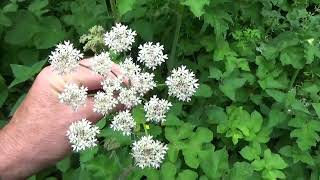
<point x="73" y="95"/>
<point x="102" y="64"/>
<point x="182" y="83"/>
<point x="65" y="59"/>
<point x="120" y="38"/>
<point x="127" y="89"/>
<point x="82" y="135"/>
<point x="152" y="55"/>
<point x="148" y="152"/>
<point x="123" y="122"/>
<point x="156" y="109"/>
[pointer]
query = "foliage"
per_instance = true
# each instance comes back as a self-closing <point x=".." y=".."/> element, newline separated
<point x="255" y="115"/>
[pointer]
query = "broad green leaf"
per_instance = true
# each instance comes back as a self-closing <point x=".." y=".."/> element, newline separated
<point x="241" y="169"/>
<point x="196" y="6"/>
<point x="251" y="152"/>
<point x="215" y="164"/>
<point x="229" y="86"/>
<point x="187" y="175"/>
<point x="124" y="6"/>
<point x="316" y="107"/>
<point x="204" y="91"/>
<point x="24" y="73"/>
<point x="64" y="164"/>
<point x="24" y="29"/>
<point x="216" y="115"/>
<point x="37" y="7"/>
<point x="168" y="171"/>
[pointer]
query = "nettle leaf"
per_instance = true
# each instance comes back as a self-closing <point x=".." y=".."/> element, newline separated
<point x="293" y="56"/>
<point x="271" y="165"/>
<point x="215" y="163"/>
<point x="24" y="73"/>
<point x="125" y="6"/>
<point x="306" y="131"/>
<point x="196" y="6"/>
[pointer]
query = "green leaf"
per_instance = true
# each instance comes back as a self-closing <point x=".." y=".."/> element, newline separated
<point x="64" y="164"/>
<point x="24" y="73"/>
<point x="125" y="6"/>
<point x="215" y="164"/>
<point x="138" y="114"/>
<point x="88" y="154"/>
<point x="219" y="19"/>
<point x="251" y="152"/>
<point x="187" y="175"/>
<point x="168" y="171"/>
<point x="24" y="29"/>
<point x="216" y="115"/>
<point x="316" y="107"/>
<point x="229" y="86"/>
<point x="306" y="132"/>
<point x="37" y="7"/>
<point x="196" y="6"/>
<point x="50" y="33"/>
<point x="204" y="91"/>
<point x="241" y="169"/>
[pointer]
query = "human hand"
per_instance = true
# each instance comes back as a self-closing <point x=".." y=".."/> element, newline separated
<point x="36" y="135"/>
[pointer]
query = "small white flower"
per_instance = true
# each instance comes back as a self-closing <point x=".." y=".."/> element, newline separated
<point x="151" y="55"/>
<point x="123" y="122"/>
<point x="129" y="97"/>
<point x="148" y="152"/>
<point x="104" y="103"/>
<point x="182" y="83"/>
<point x="110" y="84"/>
<point x="120" y="38"/>
<point x="129" y="68"/>
<point x="156" y="109"/>
<point x="82" y="135"/>
<point x="73" y="95"/>
<point x="142" y="82"/>
<point x="65" y="59"/>
<point x="102" y="64"/>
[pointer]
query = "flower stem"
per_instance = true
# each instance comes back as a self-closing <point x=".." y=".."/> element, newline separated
<point x="146" y="127"/>
<point x="161" y="85"/>
<point x="170" y="62"/>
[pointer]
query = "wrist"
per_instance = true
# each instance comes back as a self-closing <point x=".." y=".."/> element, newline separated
<point x="13" y="163"/>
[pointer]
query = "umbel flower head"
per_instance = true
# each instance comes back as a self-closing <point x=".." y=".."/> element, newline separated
<point x="142" y="82"/>
<point x="156" y="109"/>
<point x="120" y="38"/>
<point x="102" y="64"/>
<point x="151" y="55"/>
<point x="129" y="97"/>
<point x="123" y="122"/>
<point x="73" y="95"/>
<point x="82" y="135"/>
<point x="110" y="84"/>
<point x="65" y="59"/>
<point x="148" y="152"/>
<point x="182" y="83"/>
<point x="104" y="102"/>
<point x="129" y="68"/>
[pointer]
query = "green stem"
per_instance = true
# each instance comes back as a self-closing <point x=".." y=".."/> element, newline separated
<point x="113" y="6"/>
<point x="145" y="129"/>
<point x="170" y="62"/>
<point x="161" y="85"/>
<point x="293" y="79"/>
